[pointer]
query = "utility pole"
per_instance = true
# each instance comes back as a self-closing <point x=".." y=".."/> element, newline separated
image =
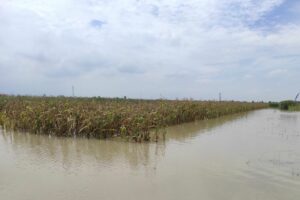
<point x="297" y="96"/>
<point x="73" y="91"/>
<point x="220" y="96"/>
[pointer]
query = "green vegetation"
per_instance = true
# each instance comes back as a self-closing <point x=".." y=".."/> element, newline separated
<point x="105" y="117"/>
<point x="295" y="107"/>
<point x="274" y="104"/>
<point x="286" y="105"/>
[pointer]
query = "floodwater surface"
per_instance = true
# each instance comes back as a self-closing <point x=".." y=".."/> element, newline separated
<point x="245" y="156"/>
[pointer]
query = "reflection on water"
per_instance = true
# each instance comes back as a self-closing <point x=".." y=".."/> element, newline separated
<point x="70" y="153"/>
<point x="245" y="156"/>
<point x="188" y="131"/>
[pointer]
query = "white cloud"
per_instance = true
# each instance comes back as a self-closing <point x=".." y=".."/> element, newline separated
<point x="277" y="72"/>
<point x="162" y="46"/>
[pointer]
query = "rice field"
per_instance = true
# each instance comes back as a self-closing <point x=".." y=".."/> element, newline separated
<point x="132" y="119"/>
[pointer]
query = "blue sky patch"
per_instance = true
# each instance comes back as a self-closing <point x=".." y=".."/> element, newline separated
<point x="287" y="13"/>
<point x="97" y="23"/>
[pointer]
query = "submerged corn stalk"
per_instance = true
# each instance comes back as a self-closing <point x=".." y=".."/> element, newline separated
<point x="104" y="118"/>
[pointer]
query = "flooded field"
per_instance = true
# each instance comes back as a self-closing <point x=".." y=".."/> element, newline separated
<point x="245" y="156"/>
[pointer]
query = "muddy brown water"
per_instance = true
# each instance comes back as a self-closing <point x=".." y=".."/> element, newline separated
<point x="246" y="156"/>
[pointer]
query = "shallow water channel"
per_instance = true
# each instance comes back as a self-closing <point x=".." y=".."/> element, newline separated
<point x="246" y="156"/>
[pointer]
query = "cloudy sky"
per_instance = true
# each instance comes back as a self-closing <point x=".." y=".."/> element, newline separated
<point x="246" y="49"/>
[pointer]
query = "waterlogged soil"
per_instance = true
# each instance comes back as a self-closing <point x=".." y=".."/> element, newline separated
<point x="245" y="156"/>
